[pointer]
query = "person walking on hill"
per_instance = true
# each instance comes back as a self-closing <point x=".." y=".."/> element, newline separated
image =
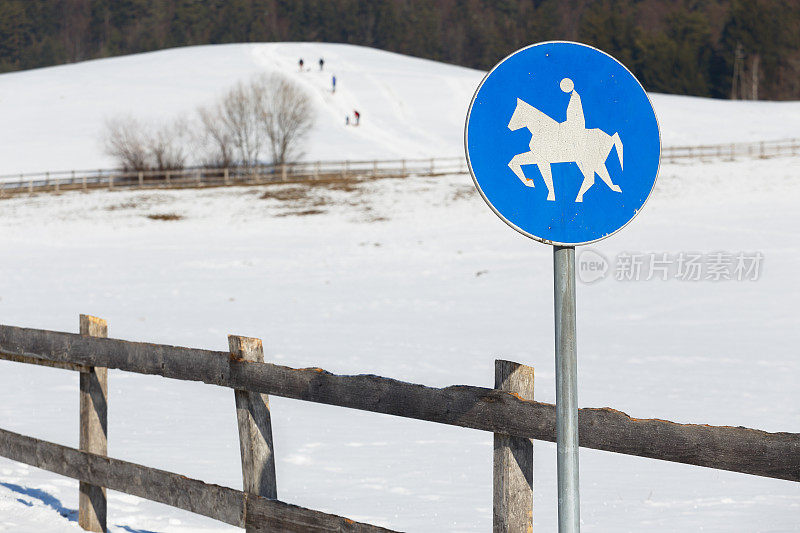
<point x="301" y="64"/>
<point x="333" y="83"/>
<point x="358" y="117"/>
<point x="321" y="64"/>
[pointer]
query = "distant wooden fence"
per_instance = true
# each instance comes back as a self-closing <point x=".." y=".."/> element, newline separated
<point x="301" y="172"/>
<point x="732" y="151"/>
<point x="304" y="172"/>
<point x="507" y="410"/>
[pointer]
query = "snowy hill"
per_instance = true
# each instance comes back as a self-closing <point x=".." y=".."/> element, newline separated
<point x="410" y="107"/>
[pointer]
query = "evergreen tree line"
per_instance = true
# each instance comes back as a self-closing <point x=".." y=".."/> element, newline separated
<point x="718" y="48"/>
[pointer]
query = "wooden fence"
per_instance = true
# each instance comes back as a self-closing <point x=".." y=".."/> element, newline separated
<point x="301" y="172"/>
<point x="732" y="151"/>
<point x="304" y="172"/>
<point x="508" y="411"/>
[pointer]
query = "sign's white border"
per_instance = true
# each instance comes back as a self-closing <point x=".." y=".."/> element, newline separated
<point x="475" y="180"/>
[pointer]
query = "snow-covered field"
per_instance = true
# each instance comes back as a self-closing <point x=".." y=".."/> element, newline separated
<point x="414" y="279"/>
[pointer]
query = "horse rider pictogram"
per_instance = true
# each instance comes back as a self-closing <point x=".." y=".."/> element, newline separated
<point x="564" y="142"/>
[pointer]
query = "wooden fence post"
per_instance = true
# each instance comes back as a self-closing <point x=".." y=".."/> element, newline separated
<point x="227" y="176"/>
<point x="513" y="458"/>
<point x="141" y="179"/>
<point x="255" y="426"/>
<point x="93" y="429"/>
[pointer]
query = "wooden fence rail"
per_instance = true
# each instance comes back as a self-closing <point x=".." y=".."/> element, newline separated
<point x="732" y="151"/>
<point x="737" y="449"/>
<point x="310" y="171"/>
<point x="227" y="505"/>
<point x="297" y="172"/>
<point x="507" y="411"/>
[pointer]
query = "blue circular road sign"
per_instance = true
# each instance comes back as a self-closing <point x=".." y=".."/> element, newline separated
<point x="545" y="136"/>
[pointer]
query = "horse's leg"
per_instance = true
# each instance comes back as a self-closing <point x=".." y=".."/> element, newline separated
<point x="588" y="180"/>
<point x="603" y="172"/>
<point x="516" y="166"/>
<point x="544" y="168"/>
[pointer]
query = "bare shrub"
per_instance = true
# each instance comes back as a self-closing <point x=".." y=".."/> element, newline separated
<point x="167" y="145"/>
<point x="139" y="146"/>
<point x="125" y="140"/>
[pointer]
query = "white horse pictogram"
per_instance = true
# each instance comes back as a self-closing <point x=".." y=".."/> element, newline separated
<point x="563" y="142"/>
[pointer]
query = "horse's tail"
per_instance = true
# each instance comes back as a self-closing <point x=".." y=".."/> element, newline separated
<point x="618" y="146"/>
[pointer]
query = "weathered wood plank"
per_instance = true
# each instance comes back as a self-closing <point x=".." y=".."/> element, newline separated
<point x="255" y="425"/>
<point x="272" y="516"/>
<point x="513" y="459"/>
<point x="43" y="362"/>
<point x="220" y="503"/>
<point x="92" y="505"/>
<point x="738" y="449"/>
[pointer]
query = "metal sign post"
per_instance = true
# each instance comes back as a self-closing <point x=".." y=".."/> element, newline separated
<point x="545" y="136"/>
<point x="566" y="390"/>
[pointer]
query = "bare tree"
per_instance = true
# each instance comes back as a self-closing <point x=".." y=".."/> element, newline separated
<point x="213" y="140"/>
<point x="125" y="140"/>
<point x="268" y="112"/>
<point x="286" y="114"/>
<point x="232" y="132"/>
<point x="239" y="112"/>
<point x="75" y="18"/>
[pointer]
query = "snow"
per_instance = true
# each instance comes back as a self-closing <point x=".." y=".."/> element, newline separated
<point x="410" y="107"/>
<point x="384" y="279"/>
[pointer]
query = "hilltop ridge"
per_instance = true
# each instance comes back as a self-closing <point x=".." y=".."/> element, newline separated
<point x="409" y="107"/>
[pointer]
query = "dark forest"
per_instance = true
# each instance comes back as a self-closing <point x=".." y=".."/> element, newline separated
<point x="720" y="48"/>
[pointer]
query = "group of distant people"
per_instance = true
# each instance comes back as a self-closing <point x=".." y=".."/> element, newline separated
<point x="356" y="115"/>
<point x="321" y="62"/>
<point x="356" y="118"/>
